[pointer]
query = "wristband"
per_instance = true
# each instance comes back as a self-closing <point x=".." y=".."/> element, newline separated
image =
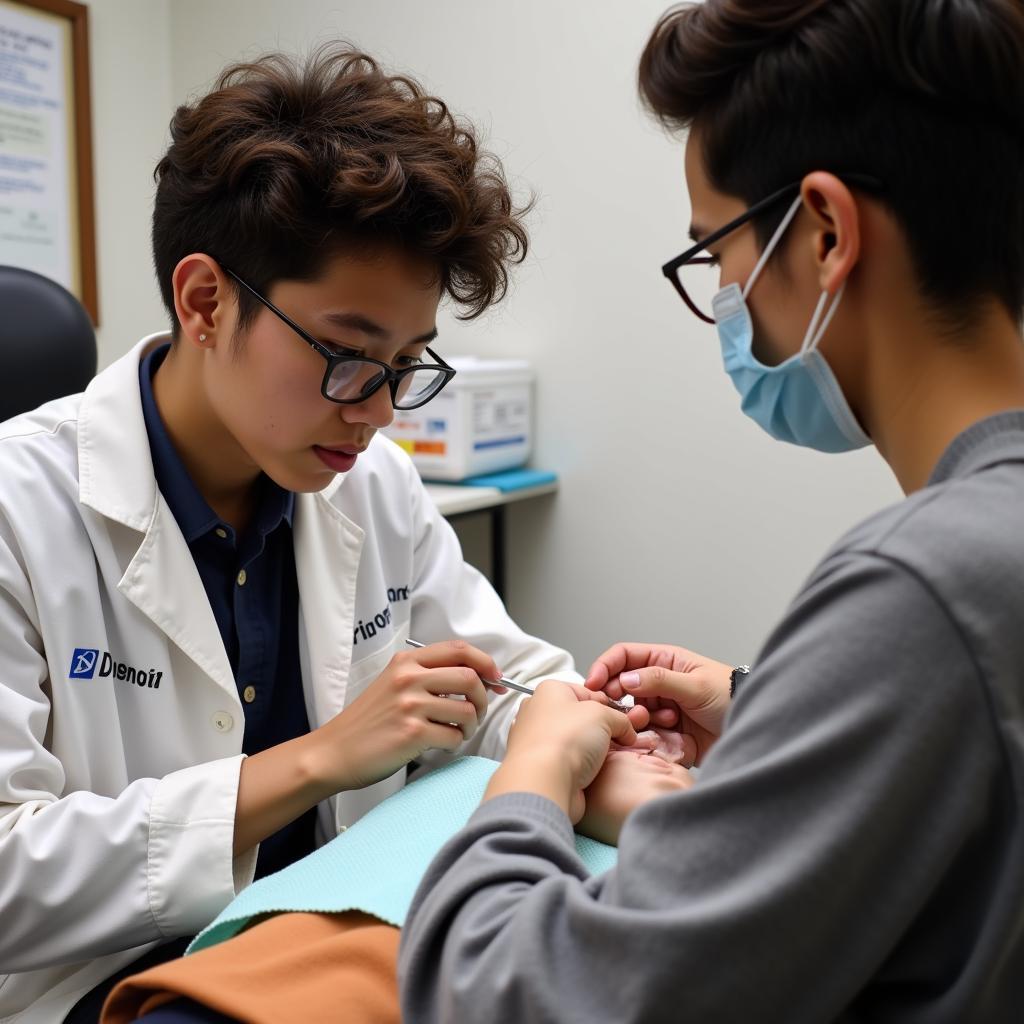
<point x="735" y="676"/>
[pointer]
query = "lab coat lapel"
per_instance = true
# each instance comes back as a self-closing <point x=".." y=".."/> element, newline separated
<point x="327" y="550"/>
<point x="116" y="480"/>
<point x="163" y="583"/>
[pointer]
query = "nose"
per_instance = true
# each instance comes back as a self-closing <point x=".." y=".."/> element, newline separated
<point x="376" y="411"/>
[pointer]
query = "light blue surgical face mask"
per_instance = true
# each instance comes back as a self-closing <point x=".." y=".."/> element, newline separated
<point x="799" y="400"/>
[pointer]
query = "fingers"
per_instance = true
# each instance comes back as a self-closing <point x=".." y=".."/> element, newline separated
<point x="557" y="690"/>
<point x="461" y="681"/>
<point x="551" y="693"/>
<point x="639" y="714"/>
<point x="620" y="728"/>
<point x="639" y="717"/>
<point x="582" y="693"/>
<point x="625" y="724"/>
<point x="607" y="667"/>
<point x="441" y="736"/>
<point x="598" y="676"/>
<point x="664" y="718"/>
<point x="621" y="657"/>
<point x="599" y="682"/>
<point x="453" y="652"/>
<point x="460" y="714"/>
<point x="604" y="673"/>
<point x="645" y="741"/>
<point x="684" y="688"/>
<point x="458" y="652"/>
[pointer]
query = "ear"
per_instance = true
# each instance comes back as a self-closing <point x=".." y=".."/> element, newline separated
<point x="203" y="301"/>
<point x="836" y="236"/>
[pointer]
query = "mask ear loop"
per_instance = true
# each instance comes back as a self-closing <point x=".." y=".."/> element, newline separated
<point x="772" y="244"/>
<point x="814" y="331"/>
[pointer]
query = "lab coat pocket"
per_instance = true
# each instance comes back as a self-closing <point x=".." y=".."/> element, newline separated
<point x="364" y="671"/>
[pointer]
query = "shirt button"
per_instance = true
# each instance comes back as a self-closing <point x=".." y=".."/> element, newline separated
<point x="221" y="532"/>
<point x="249" y="694"/>
<point x="241" y="578"/>
<point x="222" y="721"/>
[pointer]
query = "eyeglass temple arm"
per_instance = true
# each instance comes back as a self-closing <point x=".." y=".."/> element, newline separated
<point x="302" y="333"/>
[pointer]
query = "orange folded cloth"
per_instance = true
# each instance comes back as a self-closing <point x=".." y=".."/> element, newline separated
<point x="289" y="967"/>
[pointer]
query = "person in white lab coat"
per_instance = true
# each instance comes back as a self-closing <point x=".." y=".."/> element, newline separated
<point x="209" y="562"/>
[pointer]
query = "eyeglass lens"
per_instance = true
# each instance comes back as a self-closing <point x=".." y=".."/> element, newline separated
<point x="355" y="379"/>
<point x="700" y="280"/>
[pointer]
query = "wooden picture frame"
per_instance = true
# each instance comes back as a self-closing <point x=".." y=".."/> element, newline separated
<point x="49" y="145"/>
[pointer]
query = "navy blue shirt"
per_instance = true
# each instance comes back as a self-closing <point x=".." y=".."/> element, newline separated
<point x="252" y="588"/>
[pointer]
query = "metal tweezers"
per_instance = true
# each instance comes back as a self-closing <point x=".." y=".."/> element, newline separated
<point x="622" y="706"/>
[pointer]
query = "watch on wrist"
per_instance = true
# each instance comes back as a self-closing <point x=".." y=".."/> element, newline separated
<point x="737" y="674"/>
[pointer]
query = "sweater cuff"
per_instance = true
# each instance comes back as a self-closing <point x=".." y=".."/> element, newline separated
<point x="539" y="810"/>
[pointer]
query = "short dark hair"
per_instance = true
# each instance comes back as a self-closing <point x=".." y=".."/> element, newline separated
<point x="286" y="163"/>
<point x="925" y="95"/>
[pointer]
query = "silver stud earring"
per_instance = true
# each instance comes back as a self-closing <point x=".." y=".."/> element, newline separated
<point x="202" y="337"/>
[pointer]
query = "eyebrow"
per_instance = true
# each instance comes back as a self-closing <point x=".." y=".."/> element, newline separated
<point x="363" y="324"/>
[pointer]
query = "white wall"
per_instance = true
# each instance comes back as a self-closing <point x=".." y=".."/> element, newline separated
<point x="130" y="60"/>
<point x="676" y="520"/>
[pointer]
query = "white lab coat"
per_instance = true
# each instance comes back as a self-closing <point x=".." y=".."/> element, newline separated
<point x="117" y="791"/>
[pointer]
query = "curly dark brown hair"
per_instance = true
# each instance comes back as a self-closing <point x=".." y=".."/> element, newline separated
<point x="286" y="163"/>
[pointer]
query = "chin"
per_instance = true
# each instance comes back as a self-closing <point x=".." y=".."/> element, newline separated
<point x="311" y="483"/>
<point x="299" y="481"/>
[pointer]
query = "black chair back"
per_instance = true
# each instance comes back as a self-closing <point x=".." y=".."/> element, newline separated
<point x="47" y="344"/>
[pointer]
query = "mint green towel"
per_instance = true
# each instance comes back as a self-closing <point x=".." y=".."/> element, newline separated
<point x="376" y="865"/>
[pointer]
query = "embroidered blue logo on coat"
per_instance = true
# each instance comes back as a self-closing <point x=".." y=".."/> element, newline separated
<point x="83" y="663"/>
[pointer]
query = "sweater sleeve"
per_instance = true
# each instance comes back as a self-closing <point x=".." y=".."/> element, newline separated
<point x="854" y="769"/>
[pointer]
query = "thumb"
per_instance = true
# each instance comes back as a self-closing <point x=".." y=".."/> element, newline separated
<point x="687" y="689"/>
<point x="641" y="717"/>
<point x="620" y="727"/>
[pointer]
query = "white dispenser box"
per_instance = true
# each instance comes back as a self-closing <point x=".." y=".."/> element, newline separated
<point x="480" y="423"/>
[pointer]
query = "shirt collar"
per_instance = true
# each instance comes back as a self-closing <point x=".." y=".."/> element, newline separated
<point x="190" y="509"/>
<point x="998" y="438"/>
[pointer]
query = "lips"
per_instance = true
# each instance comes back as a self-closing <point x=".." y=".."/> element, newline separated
<point x="339" y="458"/>
<point x="341" y="449"/>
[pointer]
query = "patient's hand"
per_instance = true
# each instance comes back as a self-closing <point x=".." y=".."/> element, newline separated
<point x="668" y="744"/>
<point x="682" y="690"/>
<point x="628" y="779"/>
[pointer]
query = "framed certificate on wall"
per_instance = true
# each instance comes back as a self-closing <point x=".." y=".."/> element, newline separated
<point x="47" y="218"/>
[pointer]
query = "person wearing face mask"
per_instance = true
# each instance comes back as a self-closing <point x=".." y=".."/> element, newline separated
<point x="851" y="849"/>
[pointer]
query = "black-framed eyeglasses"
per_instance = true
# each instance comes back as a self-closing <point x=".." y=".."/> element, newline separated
<point x="693" y="272"/>
<point x="349" y="380"/>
